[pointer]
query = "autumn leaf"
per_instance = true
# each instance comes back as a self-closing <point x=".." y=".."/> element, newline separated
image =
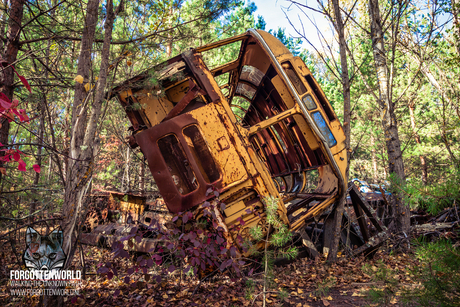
<point x="16" y="156"/>
<point x="87" y="87"/>
<point x="79" y="79"/>
<point x="129" y="63"/>
<point x="3" y="170"/>
<point x="4" y="101"/>
<point x="26" y="84"/>
<point x="22" y="165"/>
<point x="36" y="168"/>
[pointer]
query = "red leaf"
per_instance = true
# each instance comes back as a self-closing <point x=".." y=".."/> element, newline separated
<point x="22" y="165"/>
<point x="9" y="116"/>
<point x="36" y="168"/>
<point x="4" y="101"/>
<point x="23" y="116"/>
<point x="23" y="80"/>
<point x="26" y="84"/>
<point x="16" y="156"/>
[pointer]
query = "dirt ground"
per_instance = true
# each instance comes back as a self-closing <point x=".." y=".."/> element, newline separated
<point x="302" y="283"/>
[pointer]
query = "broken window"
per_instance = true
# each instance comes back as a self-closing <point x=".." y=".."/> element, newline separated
<point x="221" y="55"/>
<point x="295" y="80"/>
<point x="312" y="179"/>
<point x="222" y="80"/>
<point x="201" y="154"/>
<point x="178" y="165"/>
<point x="239" y="107"/>
<point x="309" y="103"/>
<point x="324" y="128"/>
<point x="251" y="74"/>
<point x="245" y="90"/>
<point x="319" y="96"/>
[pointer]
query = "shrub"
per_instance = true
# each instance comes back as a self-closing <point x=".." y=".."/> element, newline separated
<point x="439" y="275"/>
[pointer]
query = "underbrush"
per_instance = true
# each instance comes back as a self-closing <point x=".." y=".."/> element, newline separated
<point x="434" y="197"/>
<point x="434" y="281"/>
<point x="438" y="274"/>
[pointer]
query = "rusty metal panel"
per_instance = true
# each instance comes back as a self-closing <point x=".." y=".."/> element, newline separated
<point x="148" y="141"/>
<point x="107" y="235"/>
<point x="216" y="133"/>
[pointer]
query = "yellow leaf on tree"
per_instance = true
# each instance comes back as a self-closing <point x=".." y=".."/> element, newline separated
<point x="79" y="79"/>
<point x="88" y="87"/>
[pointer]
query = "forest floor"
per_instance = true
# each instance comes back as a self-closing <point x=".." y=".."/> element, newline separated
<point x="302" y="283"/>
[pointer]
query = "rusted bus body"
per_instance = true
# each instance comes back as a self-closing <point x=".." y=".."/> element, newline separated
<point x="257" y="125"/>
<point x="114" y="214"/>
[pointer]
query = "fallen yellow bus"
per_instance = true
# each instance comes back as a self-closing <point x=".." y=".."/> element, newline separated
<point x="252" y="124"/>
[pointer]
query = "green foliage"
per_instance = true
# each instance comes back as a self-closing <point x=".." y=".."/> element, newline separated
<point x="277" y="241"/>
<point x="382" y="295"/>
<point x="437" y="196"/>
<point x="260" y="24"/>
<point x="283" y="294"/>
<point x="282" y="235"/>
<point x="249" y="289"/>
<point x="256" y="233"/>
<point x="439" y="275"/>
<point x="324" y="286"/>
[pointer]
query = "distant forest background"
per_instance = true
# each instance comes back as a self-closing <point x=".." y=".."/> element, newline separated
<point x="43" y="41"/>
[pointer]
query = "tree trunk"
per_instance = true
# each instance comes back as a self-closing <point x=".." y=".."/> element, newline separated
<point x="41" y="129"/>
<point x="374" y="159"/>
<point x="429" y="75"/>
<point x="339" y="26"/>
<point x="78" y="168"/>
<point x="389" y="123"/>
<point x="83" y="133"/>
<point x="456" y="15"/>
<point x="9" y="54"/>
<point x="417" y="140"/>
